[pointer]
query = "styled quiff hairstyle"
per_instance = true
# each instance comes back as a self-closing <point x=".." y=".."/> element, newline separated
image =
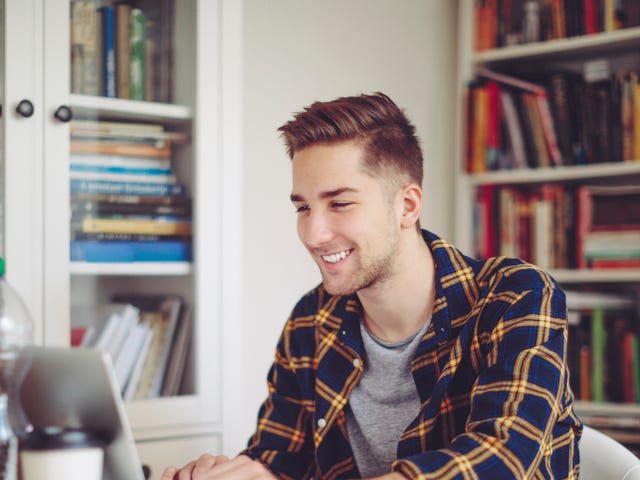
<point x="388" y="137"/>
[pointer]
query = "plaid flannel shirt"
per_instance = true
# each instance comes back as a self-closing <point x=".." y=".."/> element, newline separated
<point x="490" y="372"/>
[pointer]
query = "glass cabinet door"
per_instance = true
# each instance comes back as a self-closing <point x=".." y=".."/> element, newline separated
<point x="130" y="187"/>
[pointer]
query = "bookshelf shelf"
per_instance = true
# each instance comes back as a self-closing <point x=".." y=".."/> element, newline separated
<point x="133" y="268"/>
<point x="558" y="174"/>
<point x="599" y="43"/>
<point x="122" y="109"/>
<point x="596" y="276"/>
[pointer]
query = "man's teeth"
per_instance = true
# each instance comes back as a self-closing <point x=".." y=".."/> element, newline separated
<point x="336" y="257"/>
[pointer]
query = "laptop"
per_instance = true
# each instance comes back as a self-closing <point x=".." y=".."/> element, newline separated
<point x="77" y="388"/>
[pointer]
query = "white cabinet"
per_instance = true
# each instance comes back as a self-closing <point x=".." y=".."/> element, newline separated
<point x="38" y="228"/>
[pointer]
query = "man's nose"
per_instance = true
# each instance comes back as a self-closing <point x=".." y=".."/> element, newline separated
<point x="317" y="230"/>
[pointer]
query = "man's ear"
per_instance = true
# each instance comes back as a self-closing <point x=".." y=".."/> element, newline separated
<point x="411" y="205"/>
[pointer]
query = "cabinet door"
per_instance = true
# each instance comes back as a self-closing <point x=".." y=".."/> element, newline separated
<point x="131" y="198"/>
<point x="21" y="151"/>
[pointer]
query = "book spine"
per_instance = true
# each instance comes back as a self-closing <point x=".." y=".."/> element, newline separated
<point x="85" y="70"/>
<point x="598" y="359"/>
<point x="124" y="149"/>
<point x="109" y="51"/>
<point x="138" y="42"/>
<point x="123" y="49"/>
<point x="92" y="169"/>
<point x="123" y="251"/>
<point x="105" y="160"/>
<point x="122" y="188"/>
<point x="151" y="227"/>
<point x="120" y="176"/>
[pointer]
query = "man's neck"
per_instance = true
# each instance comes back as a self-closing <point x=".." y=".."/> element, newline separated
<point x="399" y="306"/>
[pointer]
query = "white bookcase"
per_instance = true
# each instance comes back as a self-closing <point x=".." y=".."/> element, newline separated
<point x="574" y="51"/>
<point x="36" y="204"/>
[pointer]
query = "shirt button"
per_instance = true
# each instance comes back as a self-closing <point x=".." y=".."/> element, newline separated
<point x="356" y="362"/>
<point x="322" y="423"/>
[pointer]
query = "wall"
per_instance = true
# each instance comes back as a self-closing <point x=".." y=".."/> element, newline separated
<point x="299" y="51"/>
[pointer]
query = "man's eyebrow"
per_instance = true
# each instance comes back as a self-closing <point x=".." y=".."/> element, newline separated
<point x="324" y="195"/>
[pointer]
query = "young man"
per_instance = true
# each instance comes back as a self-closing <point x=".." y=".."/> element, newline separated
<point x="410" y="360"/>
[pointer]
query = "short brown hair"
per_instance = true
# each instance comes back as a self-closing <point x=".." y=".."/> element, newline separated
<point x="388" y="137"/>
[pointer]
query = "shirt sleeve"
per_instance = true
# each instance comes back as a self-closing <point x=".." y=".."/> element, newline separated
<point x="282" y="440"/>
<point x="519" y="401"/>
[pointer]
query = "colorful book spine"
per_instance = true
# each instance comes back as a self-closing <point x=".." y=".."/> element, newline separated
<point x="123" y="188"/>
<point x="598" y="355"/>
<point x="137" y="65"/>
<point x="124" y="251"/>
<point x="135" y="225"/>
<point x="93" y="169"/>
<point x="123" y="49"/>
<point x="108" y="51"/>
<point x="120" y="176"/>
<point x="126" y="149"/>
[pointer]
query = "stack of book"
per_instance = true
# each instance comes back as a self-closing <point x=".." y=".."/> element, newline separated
<point x="609" y="226"/>
<point x="147" y="338"/>
<point x="126" y="203"/>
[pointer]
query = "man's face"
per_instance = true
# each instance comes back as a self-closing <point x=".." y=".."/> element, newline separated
<point x="347" y="219"/>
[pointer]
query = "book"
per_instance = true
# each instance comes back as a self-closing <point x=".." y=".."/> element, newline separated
<point x="99" y="207"/>
<point x="162" y="150"/>
<point x="514" y="129"/>
<point x="108" y="51"/>
<point x="485" y="12"/>
<point x="123" y="251"/>
<point x="136" y="371"/>
<point x="137" y="65"/>
<point x="541" y="102"/>
<point x="132" y="348"/>
<point x="92" y="129"/>
<point x="163" y="312"/>
<point x="125" y="188"/>
<point x="178" y="356"/>
<point x="598" y="359"/>
<point x="122" y="11"/>
<point x="121" y="175"/>
<point x="86" y="65"/>
<point x="79" y="161"/>
<point x="151" y="226"/>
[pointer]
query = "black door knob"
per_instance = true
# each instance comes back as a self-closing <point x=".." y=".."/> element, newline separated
<point x="63" y="113"/>
<point x="25" y="108"/>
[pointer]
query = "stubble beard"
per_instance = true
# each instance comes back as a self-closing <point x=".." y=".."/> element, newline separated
<point x="368" y="273"/>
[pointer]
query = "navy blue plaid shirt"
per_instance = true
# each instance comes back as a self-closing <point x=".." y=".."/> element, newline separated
<point x="490" y="372"/>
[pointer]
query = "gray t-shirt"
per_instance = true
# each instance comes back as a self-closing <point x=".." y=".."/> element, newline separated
<point x="383" y="403"/>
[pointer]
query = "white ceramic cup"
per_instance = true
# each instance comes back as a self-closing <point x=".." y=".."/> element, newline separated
<point x="61" y="453"/>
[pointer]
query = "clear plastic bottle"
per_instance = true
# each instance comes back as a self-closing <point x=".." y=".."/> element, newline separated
<point x="16" y="330"/>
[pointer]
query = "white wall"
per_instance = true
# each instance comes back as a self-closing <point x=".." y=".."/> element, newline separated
<point x="299" y="51"/>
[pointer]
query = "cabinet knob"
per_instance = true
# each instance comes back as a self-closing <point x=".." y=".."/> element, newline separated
<point x="25" y="108"/>
<point x="63" y="113"/>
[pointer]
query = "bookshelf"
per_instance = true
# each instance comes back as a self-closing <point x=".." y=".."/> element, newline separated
<point x="199" y="111"/>
<point x="614" y="49"/>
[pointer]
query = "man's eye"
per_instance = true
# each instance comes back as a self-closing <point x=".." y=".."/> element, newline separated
<point x="302" y="208"/>
<point x="340" y="204"/>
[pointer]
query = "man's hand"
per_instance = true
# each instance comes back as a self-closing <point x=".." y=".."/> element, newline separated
<point x="209" y="467"/>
